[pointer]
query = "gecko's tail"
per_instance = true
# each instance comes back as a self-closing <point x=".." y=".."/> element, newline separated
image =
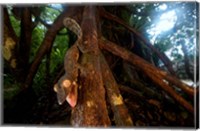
<point x="72" y="25"/>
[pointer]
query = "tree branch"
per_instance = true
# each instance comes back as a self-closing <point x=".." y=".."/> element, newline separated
<point x="138" y="84"/>
<point x="44" y="23"/>
<point x="157" y="75"/>
<point x="121" y="115"/>
<point x="47" y="44"/>
<point x="162" y="56"/>
<point x="25" y="40"/>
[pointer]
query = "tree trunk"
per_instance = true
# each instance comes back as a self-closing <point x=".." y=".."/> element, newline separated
<point x="24" y="42"/>
<point x="121" y="115"/>
<point x="91" y="108"/>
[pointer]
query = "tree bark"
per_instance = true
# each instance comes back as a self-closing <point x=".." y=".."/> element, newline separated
<point x="121" y="115"/>
<point x="25" y="42"/>
<point x="158" y="76"/>
<point x="91" y="108"/>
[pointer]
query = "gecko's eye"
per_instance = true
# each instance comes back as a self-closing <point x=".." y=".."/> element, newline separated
<point x="66" y="83"/>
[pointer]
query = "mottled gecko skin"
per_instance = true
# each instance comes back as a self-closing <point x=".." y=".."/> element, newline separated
<point x="72" y="25"/>
<point x="68" y="82"/>
<point x="67" y="87"/>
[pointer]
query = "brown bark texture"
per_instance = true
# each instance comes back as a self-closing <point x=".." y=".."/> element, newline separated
<point x="25" y="36"/>
<point x="91" y="108"/>
<point x="25" y="42"/>
<point x="121" y="115"/>
<point x="158" y="76"/>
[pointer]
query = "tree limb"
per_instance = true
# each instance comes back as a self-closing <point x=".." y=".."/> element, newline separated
<point x="158" y="75"/>
<point x="121" y="115"/>
<point x="47" y="44"/>
<point x="162" y="56"/>
<point x="25" y="40"/>
<point x="44" y="23"/>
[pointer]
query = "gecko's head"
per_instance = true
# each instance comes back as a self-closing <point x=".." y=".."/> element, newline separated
<point x="60" y="94"/>
<point x="62" y="88"/>
<point x="65" y="83"/>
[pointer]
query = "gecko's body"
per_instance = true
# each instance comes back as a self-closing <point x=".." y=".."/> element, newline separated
<point x="67" y="87"/>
